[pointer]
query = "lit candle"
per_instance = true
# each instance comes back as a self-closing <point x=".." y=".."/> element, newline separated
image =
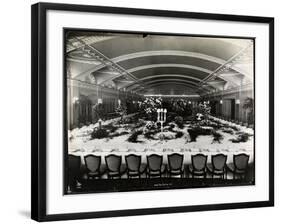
<point x="100" y="120"/>
<point x="158" y="114"/>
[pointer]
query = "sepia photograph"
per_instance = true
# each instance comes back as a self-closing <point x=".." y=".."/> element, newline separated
<point x="156" y="111"/>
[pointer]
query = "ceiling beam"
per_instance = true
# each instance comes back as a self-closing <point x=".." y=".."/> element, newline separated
<point x="174" y="79"/>
<point x="225" y="66"/>
<point x="169" y="83"/>
<point x="162" y="86"/>
<point x="73" y="45"/>
<point x="162" y="76"/>
<point x="105" y="60"/>
<point x="154" y="53"/>
<point x="151" y="66"/>
<point x="164" y="80"/>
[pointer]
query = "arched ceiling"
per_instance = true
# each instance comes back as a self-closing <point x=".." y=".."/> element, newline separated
<point x="155" y="64"/>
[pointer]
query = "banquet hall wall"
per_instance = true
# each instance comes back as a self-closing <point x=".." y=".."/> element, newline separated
<point x="83" y="97"/>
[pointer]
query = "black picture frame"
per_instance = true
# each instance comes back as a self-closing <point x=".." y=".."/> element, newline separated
<point x="39" y="110"/>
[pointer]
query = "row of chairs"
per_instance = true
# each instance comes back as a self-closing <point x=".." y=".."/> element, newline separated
<point x="155" y="167"/>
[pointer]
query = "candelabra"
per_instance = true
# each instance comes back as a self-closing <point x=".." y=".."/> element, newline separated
<point x="161" y="117"/>
<point x="100" y="120"/>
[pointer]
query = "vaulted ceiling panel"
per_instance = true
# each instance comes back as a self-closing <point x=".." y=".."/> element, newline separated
<point x="151" y="63"/>
<point x="130" y="44"/>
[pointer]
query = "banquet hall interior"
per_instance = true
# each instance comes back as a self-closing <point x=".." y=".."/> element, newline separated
<point x="149" y="111"/>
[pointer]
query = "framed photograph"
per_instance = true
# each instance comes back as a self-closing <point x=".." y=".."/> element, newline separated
<point x="138" y="111"/>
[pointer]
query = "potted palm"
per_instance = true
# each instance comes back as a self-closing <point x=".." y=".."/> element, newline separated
<point x="249" y="107"/>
